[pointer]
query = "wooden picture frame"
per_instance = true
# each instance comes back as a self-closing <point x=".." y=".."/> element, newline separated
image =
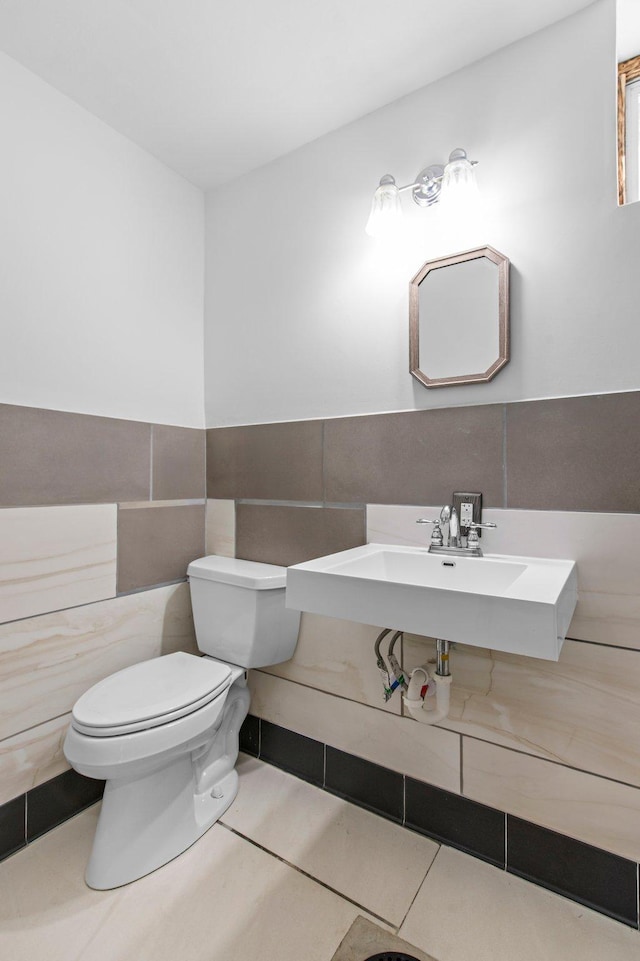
<point x="628" y="71"/>
<point x="501" y="320"/>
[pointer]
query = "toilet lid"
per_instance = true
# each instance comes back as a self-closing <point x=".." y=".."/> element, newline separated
<point x="149" y="694"/>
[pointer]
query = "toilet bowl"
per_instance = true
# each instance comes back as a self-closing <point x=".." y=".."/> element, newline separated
<point x="164" y="733"/>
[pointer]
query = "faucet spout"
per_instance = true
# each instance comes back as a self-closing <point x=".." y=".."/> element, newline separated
<point x="454" y="529"/>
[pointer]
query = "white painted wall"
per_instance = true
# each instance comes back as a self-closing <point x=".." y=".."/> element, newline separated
<point x="101" y="265"/>
<point x="306" y="317"/>
<point x="628" y="29"/>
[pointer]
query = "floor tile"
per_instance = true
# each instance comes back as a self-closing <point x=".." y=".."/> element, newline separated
<point x="223" y="898"/>
<point x="46" y="909"/>
<point x="364" y="940"/>
<point x="373" y="862"/>
<point x="226" y="899"/>
<point x="467" y="910"/>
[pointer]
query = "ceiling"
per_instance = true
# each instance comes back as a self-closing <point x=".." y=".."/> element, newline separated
<point x="216" y="88"/>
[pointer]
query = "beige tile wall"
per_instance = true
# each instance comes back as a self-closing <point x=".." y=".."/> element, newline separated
<point x="55" y="557"/>
<point x="337" y="657"/>
<point x="427" y="753"/>
<point x="220" y="530"/>
<point x="583" y="711"/>
<point x="65" y="622"/>
<point x="47" y="662"/>
<point x="32" y="757"/>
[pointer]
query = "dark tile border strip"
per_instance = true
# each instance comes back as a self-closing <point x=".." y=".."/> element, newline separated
<point x="456" y="821"/>
<point x="57" y="800"/>
<point x="369" y="785"/>
<point x="293" y="752"/>
<point x="13" y="817"/>
<point x="588" y="875"/>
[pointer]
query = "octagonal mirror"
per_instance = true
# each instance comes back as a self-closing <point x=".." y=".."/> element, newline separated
<point x="459" y="318"/>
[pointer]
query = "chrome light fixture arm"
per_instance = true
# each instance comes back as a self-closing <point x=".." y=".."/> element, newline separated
<point x="426" y="189"/>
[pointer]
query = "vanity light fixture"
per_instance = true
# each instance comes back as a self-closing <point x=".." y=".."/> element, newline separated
<point x="453" y="185"/>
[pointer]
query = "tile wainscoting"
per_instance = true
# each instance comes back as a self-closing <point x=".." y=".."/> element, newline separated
<point x="553" y="745"/>
<point x="91" y="581"/>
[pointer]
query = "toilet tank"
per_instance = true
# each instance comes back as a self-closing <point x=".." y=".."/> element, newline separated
<point x="239" y="611"/>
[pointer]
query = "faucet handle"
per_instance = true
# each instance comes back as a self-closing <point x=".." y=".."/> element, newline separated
<point x="473" y="540"/>
<point x="436" y="534"/>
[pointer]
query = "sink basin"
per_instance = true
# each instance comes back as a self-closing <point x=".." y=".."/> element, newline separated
<point x="522" y="605"/>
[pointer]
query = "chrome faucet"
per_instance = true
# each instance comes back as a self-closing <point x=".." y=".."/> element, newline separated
<point x="454" y="545"/>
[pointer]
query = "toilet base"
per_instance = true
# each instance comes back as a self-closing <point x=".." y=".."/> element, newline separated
<point x="146" y="839"/>
<point x="147" y="821"/>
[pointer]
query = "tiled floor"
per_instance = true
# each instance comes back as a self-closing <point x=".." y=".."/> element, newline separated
<point x="282" y="879"/>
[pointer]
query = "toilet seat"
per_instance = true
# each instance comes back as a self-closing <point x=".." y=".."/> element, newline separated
<point x="150" y="694"/>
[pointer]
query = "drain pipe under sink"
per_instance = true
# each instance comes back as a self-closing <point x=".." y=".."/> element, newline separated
<point x="414" y="699"/>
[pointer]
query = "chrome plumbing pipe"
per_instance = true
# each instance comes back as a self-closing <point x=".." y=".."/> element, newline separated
<point x="442" y="662"/>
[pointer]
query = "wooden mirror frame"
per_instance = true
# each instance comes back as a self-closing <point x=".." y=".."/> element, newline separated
<point x="483" y="377"/>
<point x="628" y="71"/>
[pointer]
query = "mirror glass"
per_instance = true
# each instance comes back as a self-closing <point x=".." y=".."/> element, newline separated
<point x="459" y="318"/>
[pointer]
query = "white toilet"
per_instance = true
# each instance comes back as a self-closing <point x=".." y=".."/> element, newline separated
<point x="164" y="733"/>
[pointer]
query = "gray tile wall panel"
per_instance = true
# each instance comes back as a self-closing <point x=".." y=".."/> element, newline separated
<point x="155" y="545"/>
<point x="54" y="457"/>
<point x="178" y="463"/>
<point x="417" y="457"/>
<point x="266" y="461"/>
<point x="575" y="453"/>
<point x="290" y="535"/>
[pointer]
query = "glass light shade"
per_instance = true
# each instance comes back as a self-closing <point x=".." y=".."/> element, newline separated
<point x="459" y="186"/>
<point x="386" y="212"/>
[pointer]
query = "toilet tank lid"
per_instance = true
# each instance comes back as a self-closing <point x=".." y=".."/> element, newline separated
<point x="232" y="570"/>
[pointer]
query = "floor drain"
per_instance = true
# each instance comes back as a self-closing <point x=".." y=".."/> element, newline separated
<point x="391" y="956"/>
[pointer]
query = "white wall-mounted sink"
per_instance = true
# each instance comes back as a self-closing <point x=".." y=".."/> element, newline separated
<point x="522" y="605"/>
